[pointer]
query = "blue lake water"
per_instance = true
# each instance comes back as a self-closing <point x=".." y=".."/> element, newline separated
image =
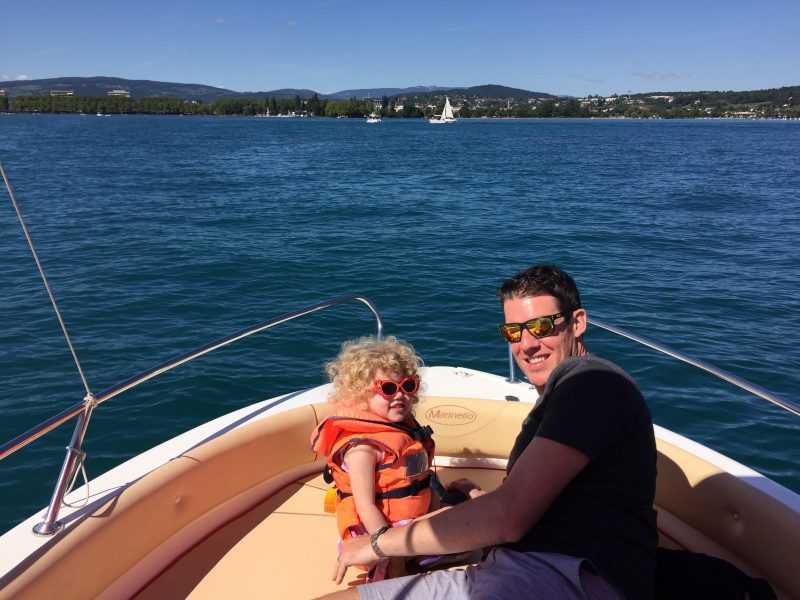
<point x="159" y="234"/>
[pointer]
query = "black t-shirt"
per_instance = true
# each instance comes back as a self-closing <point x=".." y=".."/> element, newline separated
<point x="606" y="512"/>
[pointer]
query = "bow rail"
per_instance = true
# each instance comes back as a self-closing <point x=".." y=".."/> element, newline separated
<point x="75" y="456"/>
<point x="792" y="407"/>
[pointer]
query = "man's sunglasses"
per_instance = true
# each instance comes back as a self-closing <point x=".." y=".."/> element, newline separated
<point x="388" y="388"/>
<point x="540" y="327"/>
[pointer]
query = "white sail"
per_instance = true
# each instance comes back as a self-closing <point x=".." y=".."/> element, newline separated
<point x="447" y="114"/>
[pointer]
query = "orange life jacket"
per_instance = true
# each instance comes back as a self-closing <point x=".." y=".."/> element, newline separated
<point x="402" y="479"/>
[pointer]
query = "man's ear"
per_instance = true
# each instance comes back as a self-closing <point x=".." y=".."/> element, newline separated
<point x="578" y="322"/>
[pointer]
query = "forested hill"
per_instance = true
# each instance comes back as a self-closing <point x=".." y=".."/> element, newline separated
<point x="142" y="88"/>
<point x="502" y="100"/>
<point x="783" y="96"/>
<point x="138" y="88"/>
<point x="100" y="86"/>
<point x="501" y="91"/>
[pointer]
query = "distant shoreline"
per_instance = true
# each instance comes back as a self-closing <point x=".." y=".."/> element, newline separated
<point x="478" y="102"/>
<point x="402" y="119"/>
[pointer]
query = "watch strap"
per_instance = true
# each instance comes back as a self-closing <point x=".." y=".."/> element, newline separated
<point x="373" y="541"/>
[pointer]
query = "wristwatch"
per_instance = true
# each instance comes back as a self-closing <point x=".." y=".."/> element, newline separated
<point x="373" y="541"/>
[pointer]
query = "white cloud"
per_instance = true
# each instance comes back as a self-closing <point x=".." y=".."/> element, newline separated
<point x="218" y="20"/>
<point x="17" y="78"/>
<point x="588" y="79"/>
<point x="650" y="76"/>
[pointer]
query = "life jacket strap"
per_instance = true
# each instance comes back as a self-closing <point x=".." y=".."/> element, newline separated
<point x="436" y="485"/>
<point x="410" y="490"/>
<point x="422" y="434"/>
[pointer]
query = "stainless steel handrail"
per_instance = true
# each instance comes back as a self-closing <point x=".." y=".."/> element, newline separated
<point x="50" y="524"/>
<point x="788" y="405"/>
<point x="65" y="415"/>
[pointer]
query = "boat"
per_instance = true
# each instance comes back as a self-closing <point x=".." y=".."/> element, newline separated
<point x="373" y="118"/>
<point x="238" y="501"/>
<point x="234" y="507"/>
<point x="447" y="114"/>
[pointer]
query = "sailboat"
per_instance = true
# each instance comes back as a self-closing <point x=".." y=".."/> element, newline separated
<point x="447" y="114"/>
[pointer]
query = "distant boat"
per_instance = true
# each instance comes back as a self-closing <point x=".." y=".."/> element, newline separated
<point x="373" y="118"/>
<point x="447" y="114"/>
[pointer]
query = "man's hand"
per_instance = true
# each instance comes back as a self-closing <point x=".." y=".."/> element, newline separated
<point x="356" y="551"/>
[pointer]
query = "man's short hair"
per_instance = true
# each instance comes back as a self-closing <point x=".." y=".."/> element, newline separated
<point x="543" y="280"/>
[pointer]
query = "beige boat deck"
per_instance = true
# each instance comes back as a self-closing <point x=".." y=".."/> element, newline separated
<point x="241" y="516"/>
<point x="240" y="561"/>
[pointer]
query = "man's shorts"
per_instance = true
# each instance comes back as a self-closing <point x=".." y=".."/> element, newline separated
<point x="503" y="574"/>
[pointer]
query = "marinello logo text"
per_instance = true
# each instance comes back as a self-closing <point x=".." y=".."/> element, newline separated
<point x="450" y="415"/>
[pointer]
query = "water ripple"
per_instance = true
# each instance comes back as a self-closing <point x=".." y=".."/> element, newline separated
<point x="159" y="234"/>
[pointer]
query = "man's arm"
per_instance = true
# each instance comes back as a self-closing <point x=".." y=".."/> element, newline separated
<point x="503" y="515"/>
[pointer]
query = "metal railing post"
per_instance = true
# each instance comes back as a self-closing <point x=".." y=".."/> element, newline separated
<point x="512" y="377"/>
<point x="50" y="525"/>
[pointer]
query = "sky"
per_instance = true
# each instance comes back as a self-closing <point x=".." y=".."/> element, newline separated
<point x="564" y="47"/>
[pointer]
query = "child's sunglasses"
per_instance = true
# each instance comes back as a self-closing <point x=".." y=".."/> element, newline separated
<point x="539" y="327"/>
<point x="389" y="388"/>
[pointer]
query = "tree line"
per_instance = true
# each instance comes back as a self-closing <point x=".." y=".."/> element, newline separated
<point x="314" y="106"/>
<point x="781" y="103"/>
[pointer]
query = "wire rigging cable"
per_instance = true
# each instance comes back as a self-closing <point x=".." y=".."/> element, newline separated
<point x="89" y="394"/>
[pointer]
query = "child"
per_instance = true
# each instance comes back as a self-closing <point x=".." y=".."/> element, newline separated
<point x="377" y="453"/>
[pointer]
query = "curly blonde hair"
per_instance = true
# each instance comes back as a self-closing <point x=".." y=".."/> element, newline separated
<point x="353" y="370"/>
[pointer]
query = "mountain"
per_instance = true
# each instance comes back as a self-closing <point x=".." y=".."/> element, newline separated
<point x="100" y="86"/>
<point x="501" y="91"/>
<point x="138" y="88"/>
<point x="483" y="92"/>
<point x="282" y="93"/>
<point x="381" y="92"/>
<point x="143" y="88"/>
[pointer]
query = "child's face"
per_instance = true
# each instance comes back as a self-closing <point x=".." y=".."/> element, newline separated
<point x="394" y="409"/>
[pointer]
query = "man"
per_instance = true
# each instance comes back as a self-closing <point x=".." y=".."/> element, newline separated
<point x="574" y="517"/>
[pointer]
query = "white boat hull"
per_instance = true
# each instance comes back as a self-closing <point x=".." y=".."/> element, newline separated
<point x="234" y="507"/>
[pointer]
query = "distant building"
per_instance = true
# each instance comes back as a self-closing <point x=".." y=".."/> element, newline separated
<point x="2" y="92"/>
<point x="62" y="92"/>
<point x="122" y="93"/>
<point x="376" y="102"/>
